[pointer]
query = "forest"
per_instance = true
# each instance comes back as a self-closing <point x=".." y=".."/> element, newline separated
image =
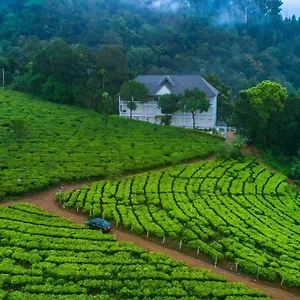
<point x="78" y="52"/>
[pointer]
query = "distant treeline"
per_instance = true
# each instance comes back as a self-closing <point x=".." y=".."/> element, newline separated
<point x="244" y="42"/>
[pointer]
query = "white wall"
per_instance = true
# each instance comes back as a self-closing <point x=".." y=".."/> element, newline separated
<point x="148" y="110"/>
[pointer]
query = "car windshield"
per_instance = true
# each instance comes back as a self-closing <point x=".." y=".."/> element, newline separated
<point x="99" y="221"/>
<point x="105" y="223"/>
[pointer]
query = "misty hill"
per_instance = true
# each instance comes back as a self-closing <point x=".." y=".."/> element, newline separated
<point x="43" y="143"/>
<point x="244" y="42"/>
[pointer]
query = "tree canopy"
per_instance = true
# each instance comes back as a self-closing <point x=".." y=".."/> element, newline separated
<point x="168" y="103"/>
<point x="192" y="101"/>
<point x="132" y="91"/>
<point x="257" y="108"/>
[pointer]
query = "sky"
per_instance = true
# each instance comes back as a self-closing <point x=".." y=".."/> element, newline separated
<point x="291" y="7"/>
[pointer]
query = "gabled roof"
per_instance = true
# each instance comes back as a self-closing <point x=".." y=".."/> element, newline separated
<point x="177" y="84"/>
<point x="168" y="79"/>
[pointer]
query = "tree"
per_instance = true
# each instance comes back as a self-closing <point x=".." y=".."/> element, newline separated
<point x="141" y="58"/>
<point x="256" y="108"/>
<point x="225" y="103"/>
<point x="112" y="59"/>
<point x="286" y="125"/>
<point x="132" y="91"/>
<point x="106" y="107"/>
<point x="192" y="101"/>
<point x="168" y="104"/>
<point x="270" y="8"/>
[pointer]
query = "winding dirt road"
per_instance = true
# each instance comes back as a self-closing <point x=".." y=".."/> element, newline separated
<point x="46" y="200"/>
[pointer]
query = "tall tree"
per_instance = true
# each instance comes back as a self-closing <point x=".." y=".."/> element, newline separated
<point x="224" y="101"/>
<point x="113" y="60"/>
<point x="132" y="91"/>
<point x="106" y="107"/>
<point x="168" y="104"/>
<point x="286" y="125"/>
<point x="256" y="108"/>
<point x="192" y="101"/>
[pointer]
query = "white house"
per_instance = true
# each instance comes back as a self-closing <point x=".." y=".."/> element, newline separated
<point x="160" y="85"/>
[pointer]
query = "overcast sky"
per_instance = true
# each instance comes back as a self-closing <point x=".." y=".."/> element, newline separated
<point x="291" y="7"/>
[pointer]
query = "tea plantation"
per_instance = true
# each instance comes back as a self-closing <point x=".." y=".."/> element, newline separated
<point x="230" y="210"/>
<point x="43" y="143"/>
<point x="45" y="257"/>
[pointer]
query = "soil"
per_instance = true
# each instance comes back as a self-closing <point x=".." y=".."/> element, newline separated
<point x="46" y="200"/>
<point x="230" y="136"/>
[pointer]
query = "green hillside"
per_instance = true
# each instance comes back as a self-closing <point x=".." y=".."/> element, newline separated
<point x="50" y="258"/>
<point x="43" y="143"/>
<point x="230" y="210"/>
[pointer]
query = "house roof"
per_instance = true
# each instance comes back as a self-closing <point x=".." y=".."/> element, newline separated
<point x="177" y="84"/>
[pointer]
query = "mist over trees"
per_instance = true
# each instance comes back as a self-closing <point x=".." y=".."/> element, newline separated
<point x="81" y="52"/>
<point x="243" y="42"/>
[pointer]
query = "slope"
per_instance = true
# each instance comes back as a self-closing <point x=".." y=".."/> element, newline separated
<point x="43" y="143"/>
<point x="235" y="211"/>
<point x="46" y="257"/>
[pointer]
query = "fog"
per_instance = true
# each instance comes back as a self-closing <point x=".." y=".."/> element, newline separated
<point x="291" y="7"/>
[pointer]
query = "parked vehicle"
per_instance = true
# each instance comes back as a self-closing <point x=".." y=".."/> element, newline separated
<point x="100" y="224"/>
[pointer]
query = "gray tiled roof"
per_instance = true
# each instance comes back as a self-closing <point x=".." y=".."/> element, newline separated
<point x="178" y="84"/>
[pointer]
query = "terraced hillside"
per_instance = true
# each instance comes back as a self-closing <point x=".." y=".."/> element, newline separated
<point x="46" y="257"/>
<point x="43" y="143"/>
<point x="230" y="210"/>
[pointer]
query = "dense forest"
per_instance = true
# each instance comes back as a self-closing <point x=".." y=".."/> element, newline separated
<point x="78" y="52"/>
<point x="243" y="42"/>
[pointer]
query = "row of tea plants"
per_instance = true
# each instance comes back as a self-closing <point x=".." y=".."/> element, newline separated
<point x="43" y="256"/>
<point x="230" y="210"/>
<point x="44" y="143"/>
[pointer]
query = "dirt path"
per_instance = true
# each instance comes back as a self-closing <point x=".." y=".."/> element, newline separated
<point x="230" y="136"/>
<point x="46" y="200"/>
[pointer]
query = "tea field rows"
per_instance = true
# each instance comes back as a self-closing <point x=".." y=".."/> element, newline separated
<point x="43" y="256"/>
<point x="230" y="210"/>
<point x="54" y="142"/>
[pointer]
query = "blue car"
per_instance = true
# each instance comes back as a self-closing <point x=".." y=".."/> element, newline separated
<point x="100" y="224"/>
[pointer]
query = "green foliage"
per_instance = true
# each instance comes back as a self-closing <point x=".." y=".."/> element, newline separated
<point x="18" y="127"/>
<point x="106" y="107"/>
<point x="228" y="209"/>
<point x="224" y="100"/>
<point x="229" y="151"/>
<point x="140" y="59"/>
<point x="256" y="109"/>
<point x="169" y="103"/>
<point x="243" y="53"/>
<point x="132" y="106"/>
<point x="286" y="125"/>
<point x="112" y="59"/>
<point x="67" y="143"/>
<point x="194" y="101"/>
<point x="44" y="257"/>
<point x="132" y="91"/>
<point x="295" y="169"/>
